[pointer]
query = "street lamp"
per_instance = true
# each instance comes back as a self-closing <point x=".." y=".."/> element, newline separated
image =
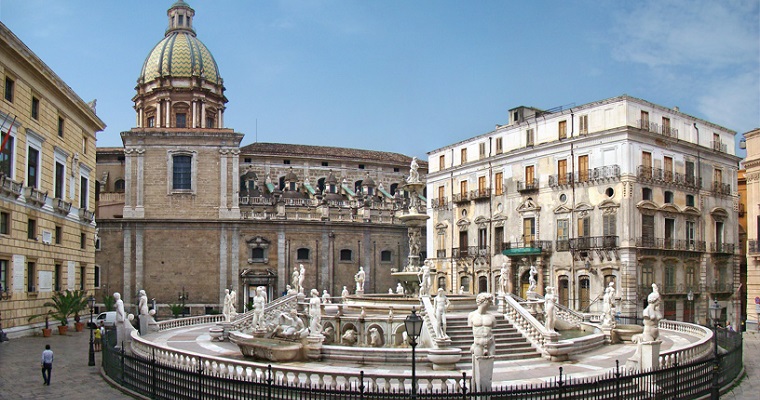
<point x="182" y="297"/>
<point x="715" y="314"/>
<point x="91" y="302"/>
<point x="413" y="325"/>
<point x="690" y="297"/>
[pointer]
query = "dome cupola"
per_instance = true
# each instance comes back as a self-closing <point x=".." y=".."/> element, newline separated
<point x="179" y="85"/>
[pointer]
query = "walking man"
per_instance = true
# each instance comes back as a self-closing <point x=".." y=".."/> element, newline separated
<point x="47" y="364"/>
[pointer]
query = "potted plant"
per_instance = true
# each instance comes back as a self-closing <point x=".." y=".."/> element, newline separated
<point x="78" y="300"/>
<point x="46" y="331"/>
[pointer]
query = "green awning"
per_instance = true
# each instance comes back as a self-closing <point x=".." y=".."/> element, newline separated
<point x="348" y="190"/>
<point x="519" y="251"/>
<point x="309" y="189"/>
<point x="422" y="198"/>
<point x="386" y="194"/>
<point x="270" y="187"/>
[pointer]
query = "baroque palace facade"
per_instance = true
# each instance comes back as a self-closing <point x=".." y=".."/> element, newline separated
<point x="184" y="210"/>
<point x="47" y="190"/>
<point x="619" y="190"/>
<point x="752" y="179"/>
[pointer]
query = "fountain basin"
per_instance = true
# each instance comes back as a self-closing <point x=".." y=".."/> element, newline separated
<point x="625" y="333"/>
<point x="267" y="349"/>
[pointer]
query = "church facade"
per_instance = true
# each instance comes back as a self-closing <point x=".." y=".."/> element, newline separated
<point x="185" y="211"/>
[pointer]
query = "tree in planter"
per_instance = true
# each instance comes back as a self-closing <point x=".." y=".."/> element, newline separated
<point x="46" y="331"/>
<point x="61" y="305"/>
<point x="78" y="299"/>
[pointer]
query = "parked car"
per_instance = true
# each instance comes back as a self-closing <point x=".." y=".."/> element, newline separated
<point x="108" y="319"/>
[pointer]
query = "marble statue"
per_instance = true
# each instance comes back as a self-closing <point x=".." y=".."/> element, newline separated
<point x="504" y="279"/>
<point x="390" y="290"/>
<point x="315" y="312"/>
<point x="344" y="294"/>
<point x="608" y="306"/>
<point x="329" y="334"/>
<point x="121" y="319"/>
<point x="550" y="310"/>
<point x="414" y="175"/>
<point x="225" y="305"/>
<point x="414" y="242"/>
<point x="441" y="303"/>
<point x="532" y="278"/>
<point x="483" y="347"/>
<point x="399" y="289"/>
<point x="461" y="289"/>
<point x="482" y="324"/>
<point x="290" y="326"/>
<point x="294" y="279"/>
<point x="289" y="290"/>
<point x="652" y="316"/>
<point x="263" y="290"/>
<point x="326" y="297"/>
<point x="359" y="278"/>
<point x="375" y="340"/>
<point x="424" y="276"/>
<point x="257" y="320"/>
<point x="143" y="304"/>
<point x="349" y="337"/>
<point x="301" y="278"/>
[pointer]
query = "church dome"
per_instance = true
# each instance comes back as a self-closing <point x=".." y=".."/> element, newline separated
<point x="180" y="54"/>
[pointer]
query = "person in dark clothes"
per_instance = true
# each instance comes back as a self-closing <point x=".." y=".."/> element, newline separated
<point x="47" y="364"/>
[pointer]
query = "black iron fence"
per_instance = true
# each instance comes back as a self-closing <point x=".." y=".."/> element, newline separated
<point x="156" y="380"/>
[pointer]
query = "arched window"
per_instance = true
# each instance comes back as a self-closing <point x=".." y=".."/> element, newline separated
<point x="321" y="185"/>
<point x="302" y="254"/>
<point x="482" y="284"/>
<point x="394" y="186"/>
<point x="584" y="292"/>
<point x="442" y="282"/>
<point x="358" y="186"/>
<point x="282" y="182"/>
<point x="345" y="255"/>
<point x="118" y="186"/>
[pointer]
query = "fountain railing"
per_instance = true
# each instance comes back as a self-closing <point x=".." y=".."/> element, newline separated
<point x="430" y="318"/>
<point x="702" y="349"/>
<point x="189" y="321"/>
<point x="572" y="316"/>
<point x="272" y="310"/>
<point x="335" y="378"/>
<point x="525" y="323"/>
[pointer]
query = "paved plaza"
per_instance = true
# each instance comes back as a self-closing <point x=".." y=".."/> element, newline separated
<point x="20" y="376"/>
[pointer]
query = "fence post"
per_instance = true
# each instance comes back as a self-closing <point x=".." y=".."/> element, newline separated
<point x="269" y="381"/>
<point x="464" y="386"/>
<point x="715" y="394"/>
<point x="200" y="378"/>
<point x="153" y="373"/>
<point x="675" y="381"/>
<point x="560" y="392"/>
<point x="617" y="379"/>
<point x="121" y="363"/>
<point x="361" y="385"/>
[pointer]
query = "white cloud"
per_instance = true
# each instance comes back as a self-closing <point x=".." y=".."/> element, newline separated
<point x="728" y="102"/>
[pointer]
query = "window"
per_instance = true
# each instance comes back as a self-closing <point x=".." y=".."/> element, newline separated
<point x="719" y="234"/>
<point x="151" y="122"/>
<point x="584" y="226"/>
<point x="4" y="276"/>
<point x="35" y="108"/>
<point x="563" y="230"/>
<point x="499" y="145"/>
<point x="96" y="277"/>
<point x="118" y="186"/>
<point x="463" y="189"/>
<point x="5" y="223"/>
<point x="60" y="180"/>
<point x="668" y="162"/>
<point x="6" y="156"/>
<point x="498" y="237"/>
<point x="181" y="19"/>
<point x="9" y="89"/>
<point x="441" y="162"/>
<point x="82" y="277"/>
<point x="32" y="171"/>
<point x="609" y="228"/>
<point x="647" y="275"/>
<point x="668" y="196"/>
<point x="345" y="255"/>
<point x="302" y="254"/>
<point x="441" y="196"/>
<point x="647" y="230"/>
<point x="690" y="172"/>
<point x="60" y="126"/>
<point x="670" y="232"/>
<point x="84" y="145"/>
<point x="529" y="176"/>
<point x="30" y="281"/>
<point x="529" y="230"/>
<point x="644" y="120"/>
<point x="690" y="200"/>
<point x="385" y="256"/>
<point x="717" y="176"/>
<point x="482" y="150"/>
<point x="97" y="243"/>
<point x="83" y="241"/>
<point x="182" y="172"/>
<point x="31" y="229"/>
<point x="481" y="185"/>
<point x="84" y="189"/>
<point x="666" y="126"/>
<point x="529" y="137"/>
<point x="562" y="130"/>
<point x="181" y="120"/>
<point x="209" y="122"/>
<point x="325" y="163"/>
<point x="499" y="183"/>
<point x="257" y="254"/>
<point x="691" y="277"/>
<point x="583" y="170"/>
<point x="562" y="172"/>
<point x="57" y="277"/>
<point x="584" y="293"/>
<point x="463" y="153"/>
<point x="691" y="235"/>
<point x="58" y="235"/>
<point x="361" y="166"/>
<point x="583" y="122"/>
<point x="646" y="194"/>
<point x="482" y="238"/>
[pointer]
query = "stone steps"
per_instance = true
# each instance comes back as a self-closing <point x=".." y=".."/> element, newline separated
<point x="510" y="344"/>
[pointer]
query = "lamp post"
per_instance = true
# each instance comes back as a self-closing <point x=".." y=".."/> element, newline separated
<point x="690" y="297"/>
<point x="182" y="297"/>
<point x="715" y="314"/>
<point x="91" y="302"/>
<point x="413" y="325"/>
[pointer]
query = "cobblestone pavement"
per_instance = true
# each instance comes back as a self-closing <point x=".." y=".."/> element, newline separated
<point x="72" y="378"/>
<point x="20" y="376"/>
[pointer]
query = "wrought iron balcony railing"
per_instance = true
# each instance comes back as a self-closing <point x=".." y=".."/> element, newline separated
<point x="753" y="246"/>
<point x="670" y="244"/>
<point x="721" y="188"/>
<point x="480" y="194"/>
<point x="460" y="197"/>
<point x="719" y="146"/>
<point x="595" y="175"/>
<point x="653" y="127"/>
<point x="439" y="203"/>
<point x="658" y="175"/>
<point x="562" y="245"/>
<point x="594" y="242"/>
<point x="724" y="248"/>
<point x="544" y="245"/>
<point x="527" y="186"/>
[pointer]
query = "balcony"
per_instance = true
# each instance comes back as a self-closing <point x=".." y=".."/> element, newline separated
<point x="718" y="146"/>
<point x="680" y="288"/>
<point x="543" y="245"/>
<point x="753" y="246"/>
<point x="653" y="127"/>
<point x="460" y="198"/>
<point x="9" y="187"/>
<point x="670" y="244"/>
<point x="61" y="206"/>
<point x="721" y="188"/>
<point x="593" y="243"/>
<point x="562" y="245"/>
<point x="464" y="252"/>
<point x="35" y="196"/>
<point x="439" y="203"/>
<point x="255" y="201"/>
<point x="599" y="174"/>
<point x="527" y="186"/>
<point x="86" y="215"/>
<point x="722" y="248"/>
<point x="666" y="177"/>
<point x="480" y="194"/>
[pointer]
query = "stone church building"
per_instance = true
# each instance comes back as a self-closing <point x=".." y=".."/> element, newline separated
<point x="185" y="211"/>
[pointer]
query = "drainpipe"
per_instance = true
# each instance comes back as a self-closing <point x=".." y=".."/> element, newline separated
<point x="490" y="212"/>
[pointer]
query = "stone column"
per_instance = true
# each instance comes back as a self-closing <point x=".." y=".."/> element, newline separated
<point x="140" y="184"/>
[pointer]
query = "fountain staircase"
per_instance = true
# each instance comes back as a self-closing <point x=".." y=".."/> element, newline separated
<point x="510" y="344"/>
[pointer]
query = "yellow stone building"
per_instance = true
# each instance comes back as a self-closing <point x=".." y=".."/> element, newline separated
<point x="47" y="189"/>
<point x="752" y="177"/>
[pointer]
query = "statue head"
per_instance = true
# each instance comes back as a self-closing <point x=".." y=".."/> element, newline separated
<point x="483" y="298"/>
<point x="440" y="291"/>
<point x="653" y="298"/>
<point x="314" y="292"/>
<point x="142" y="293"/>
<point x="117" y="296"/>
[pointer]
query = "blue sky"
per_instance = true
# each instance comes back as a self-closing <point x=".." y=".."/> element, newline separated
<point x="410" y="76"/>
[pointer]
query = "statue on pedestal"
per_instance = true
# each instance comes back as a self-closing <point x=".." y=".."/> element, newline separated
<point x="550" y="311"/>
<point x="608" y="306"/>
<point x="359" y="278"/>
<point x="290" y="326"/>
<point x="344" y="294"/>
<point x="257" y="320"/>
<point x="424" y="276"/>
<point x="483" y="347"/>
<point x="301" y="278"/>
<point x="504" y="279"/>
<point x="315" y="313"/>
<point x="399" y="289"/>
<point x="652" y="316"/>
<point x="121" y="319"/>
<point x="228" y="309"/>
<point x="326" y="297"/>
<point x="532" y="278"/>
<point x="414" y="175"/>
<point x="441" y="304"/>
<point x="143" y="305"/>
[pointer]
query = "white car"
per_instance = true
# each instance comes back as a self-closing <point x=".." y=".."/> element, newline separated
<point x="108" y="319"/>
